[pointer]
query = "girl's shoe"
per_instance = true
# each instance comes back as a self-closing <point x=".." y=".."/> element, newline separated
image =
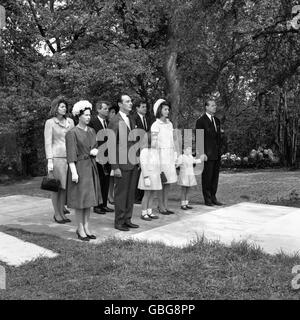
<point x="153" y="216"/>
<point x="145" y="217"/>
<point x="184" y="207"/>
<point x="163" y="212"/>
<point x="82" y="238"/>
<point x="189" y="207"/>
<point x="59" y="221"/>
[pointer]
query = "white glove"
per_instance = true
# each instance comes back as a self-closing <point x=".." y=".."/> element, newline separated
<point x="94" y="152"/>
<point x="75" y="177"/>
<point x="50" y="165"/>
<point x="118" y="173"/>
<point x="203" y="157"/>
<point x="147" y="182"/>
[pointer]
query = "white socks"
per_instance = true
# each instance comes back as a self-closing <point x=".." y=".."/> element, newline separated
<point x="147" y="211"/>
<point x="144" y="212"/>
<point x="184" y="202"/>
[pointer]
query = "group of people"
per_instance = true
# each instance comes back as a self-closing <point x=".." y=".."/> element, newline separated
<point x="88" y="180"/>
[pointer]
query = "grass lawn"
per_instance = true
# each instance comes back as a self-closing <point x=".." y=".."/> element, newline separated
<point x="119" y="269"/>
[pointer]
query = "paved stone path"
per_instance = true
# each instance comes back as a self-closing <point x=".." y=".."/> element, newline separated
<point x="274" y="228"/>
<point x="35" y="214"/>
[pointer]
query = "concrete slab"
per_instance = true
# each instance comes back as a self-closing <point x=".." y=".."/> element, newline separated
<point x="274" y="228"/>
<point x="16" y="252"/>
<point x="35" y="214"/>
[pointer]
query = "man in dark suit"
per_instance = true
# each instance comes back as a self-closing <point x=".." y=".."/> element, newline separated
<point x="212" y="148"/>
<point x="142" y="121"/>
<point x="125" y="168"/>
<point x="98" y="123"/>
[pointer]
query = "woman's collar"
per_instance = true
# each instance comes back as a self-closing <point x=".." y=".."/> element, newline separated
<point x="160" y="121"/>
<point x="67" y="123"/>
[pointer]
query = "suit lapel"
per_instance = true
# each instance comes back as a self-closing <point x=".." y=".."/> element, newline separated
<point x="99" y="124"/>
<point x="121" y="119"/>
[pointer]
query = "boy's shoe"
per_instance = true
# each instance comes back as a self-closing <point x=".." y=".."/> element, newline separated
<point x="153" y="216"/>
<point x="184" y="207"/>
<point x="189" y="207"/>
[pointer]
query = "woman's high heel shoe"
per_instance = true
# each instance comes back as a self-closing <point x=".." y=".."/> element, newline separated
<point x="82" y="238"/>
<point x="166" y="213"/>
<point x="91" y="236"/>
<point x="59" y="221"/>
<point x="67" y="220"/>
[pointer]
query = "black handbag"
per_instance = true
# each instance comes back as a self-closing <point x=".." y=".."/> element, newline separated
<point x="163" y="178"/>
<point x="49" y="183"/>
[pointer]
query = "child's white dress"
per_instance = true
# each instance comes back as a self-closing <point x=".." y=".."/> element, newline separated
<point x="186" y="176"/>
<point x="150" y="166"/>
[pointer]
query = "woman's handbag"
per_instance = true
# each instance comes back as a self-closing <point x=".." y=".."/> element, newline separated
<point x="163" y="178"/>
<point x="49" y="183"/>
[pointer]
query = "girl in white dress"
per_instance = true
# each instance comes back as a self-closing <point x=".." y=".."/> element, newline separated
<point x="150" y="175"/>
<point x="167" y="152"/>
<point x="186" y="178"/>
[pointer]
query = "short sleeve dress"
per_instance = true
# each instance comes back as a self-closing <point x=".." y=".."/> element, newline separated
<point x="186" y="176"/>
<point x="166" y="148"/>
<point x="87" y="192"/>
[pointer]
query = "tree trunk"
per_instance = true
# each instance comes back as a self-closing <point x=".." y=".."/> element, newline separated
<point x="172" y="77"/>
<point x="2" y="67"/>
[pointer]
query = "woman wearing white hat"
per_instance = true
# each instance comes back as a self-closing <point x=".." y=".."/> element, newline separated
<point x="83" y="185"/>
<point x="164" y="128"/>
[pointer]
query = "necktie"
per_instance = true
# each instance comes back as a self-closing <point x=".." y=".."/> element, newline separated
<point x="105" y="125"/>
<point x="144" y="124"/>
<point x="213" y="121"/>
<point x="128" y="122"/>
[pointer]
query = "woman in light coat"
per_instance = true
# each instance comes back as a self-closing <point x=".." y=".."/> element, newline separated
<point x="55" y="147"/>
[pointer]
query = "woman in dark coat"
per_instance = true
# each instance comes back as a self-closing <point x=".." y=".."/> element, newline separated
<point x="83" y="185"/>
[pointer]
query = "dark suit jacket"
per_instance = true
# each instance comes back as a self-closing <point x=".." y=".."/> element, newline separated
<point x="114" y="126"/>
<point x="212" y="139"/>
<point x="139" y="123"/>
<point x="96" y="124"/>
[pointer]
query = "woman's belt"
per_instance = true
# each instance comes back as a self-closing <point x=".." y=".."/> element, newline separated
<point x="84" y="157"/>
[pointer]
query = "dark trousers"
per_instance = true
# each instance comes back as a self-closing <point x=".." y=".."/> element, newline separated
<point x="124" y="196"/>
<point x="139" y="194"/>
<point x="210" y="179"/>
<point x="104" y="183"/>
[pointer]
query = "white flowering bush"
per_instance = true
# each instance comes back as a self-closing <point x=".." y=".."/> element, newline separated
<point x="260" y="158"/>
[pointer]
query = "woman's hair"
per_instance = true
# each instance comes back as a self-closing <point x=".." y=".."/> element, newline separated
<point x="55" y="104"/>
<point x="114" y="107"/>
<point x="146" y="140"/>
<point x="158" y="112"/>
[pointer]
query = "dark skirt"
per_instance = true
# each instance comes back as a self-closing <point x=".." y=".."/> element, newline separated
<point x="87" y="192"/>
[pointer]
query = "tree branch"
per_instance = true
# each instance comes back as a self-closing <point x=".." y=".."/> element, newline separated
<point x="41" y="29"/>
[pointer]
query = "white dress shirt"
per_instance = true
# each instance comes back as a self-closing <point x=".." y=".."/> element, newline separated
<point x="142" y="119"/>
<point x="102" y="122"/>
<point x="212" y="119"/>
<point x="125" y="118"/>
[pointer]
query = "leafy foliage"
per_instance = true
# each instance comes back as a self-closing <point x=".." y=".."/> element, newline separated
<point x="240" y="52"/>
